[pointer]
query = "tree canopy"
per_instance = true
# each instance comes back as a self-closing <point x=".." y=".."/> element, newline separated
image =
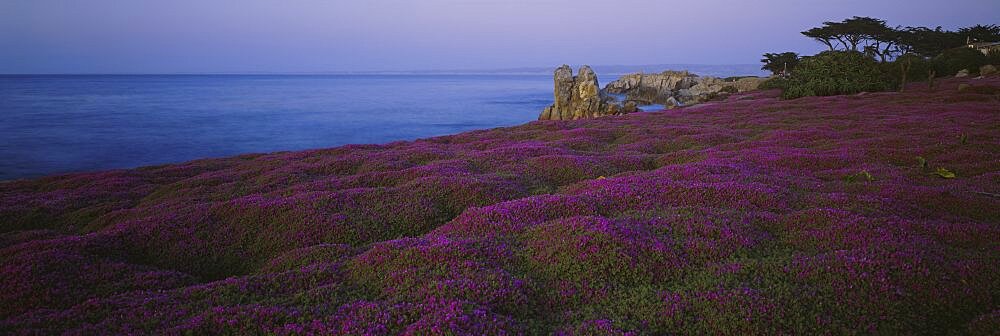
<point x="877" y="39"/>
<point x="780" y="63"/>
<point x="981" y="33"/>
<point x="849" y="34"/>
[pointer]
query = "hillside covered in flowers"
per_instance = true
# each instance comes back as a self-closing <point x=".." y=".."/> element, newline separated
<point x="860" y="214"/>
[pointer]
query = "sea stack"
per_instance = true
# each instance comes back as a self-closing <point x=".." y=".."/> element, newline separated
<point x="579" y="97"/>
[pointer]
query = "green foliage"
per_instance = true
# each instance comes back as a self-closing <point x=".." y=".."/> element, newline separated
<point x="875" y="38"/>
<point x="944" y="173"/>
<point x="869" y="35"/>
<point x="860" y="176"/>
<point x="952" y="61"/>
<point x="849" y="33"/>
<point x="780" y="63"/>
<point x="836" y="72"/>
<point x="981" y="33"/>
<point x="910" y="67"/>
<point x="928" y="42"/>
<point x="774" y="83"/>
<point x="907" y="68"/>
<point x="993" y="57"/>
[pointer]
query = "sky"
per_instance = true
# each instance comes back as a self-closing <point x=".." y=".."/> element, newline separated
<point x="296" y="36"/>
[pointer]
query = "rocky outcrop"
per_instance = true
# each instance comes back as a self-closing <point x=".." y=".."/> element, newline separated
<point x="580" y="96"/>
<point x="673" y="88"/>
<point x="665" y="81"/>
<point x="987" y="70"/>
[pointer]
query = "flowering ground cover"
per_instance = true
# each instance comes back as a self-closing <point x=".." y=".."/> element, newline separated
<point x="862" y="214"/>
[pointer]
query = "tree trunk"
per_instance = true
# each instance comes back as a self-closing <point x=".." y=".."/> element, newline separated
<point x="930" y="79"/>
<point x="888" y="50"/>
<point x="827" y="42"/>
<point x="905" y="69"/>
<point x="854" y="43"/>
<point x="842" y="42"/>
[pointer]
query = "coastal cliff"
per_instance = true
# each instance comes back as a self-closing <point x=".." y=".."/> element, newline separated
<point x="580" y="96"/>
<point x="673" y="88"/>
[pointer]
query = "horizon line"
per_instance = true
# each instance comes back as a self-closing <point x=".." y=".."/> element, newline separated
<point x="527" y="70"/>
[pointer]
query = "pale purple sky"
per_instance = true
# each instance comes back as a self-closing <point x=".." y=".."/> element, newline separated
<point x="197" y="36"/>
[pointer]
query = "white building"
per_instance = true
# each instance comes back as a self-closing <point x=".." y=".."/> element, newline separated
<point x="986" y="47"/>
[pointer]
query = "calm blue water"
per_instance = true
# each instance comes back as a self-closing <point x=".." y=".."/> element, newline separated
<point x="58" y="124"/>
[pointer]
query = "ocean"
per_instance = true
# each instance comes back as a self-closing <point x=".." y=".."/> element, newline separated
<point x="52" y="124"/>
<point x="60" y="124"/>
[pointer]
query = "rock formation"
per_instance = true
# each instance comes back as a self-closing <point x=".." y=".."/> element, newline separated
<point x="580" y="96"/>
<point x="987" y="70"/>
<point x="665" y="81"/>
<point x="671" y="88"/>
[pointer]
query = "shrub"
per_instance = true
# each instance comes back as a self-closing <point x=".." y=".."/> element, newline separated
<point x="774" y="83"/>
<point x="907" y="68"/>
<point x="952" y="61"/>
<point x="993" y="57"/>
<point x="834" y="73"/>
<point x="780" y="63"/>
